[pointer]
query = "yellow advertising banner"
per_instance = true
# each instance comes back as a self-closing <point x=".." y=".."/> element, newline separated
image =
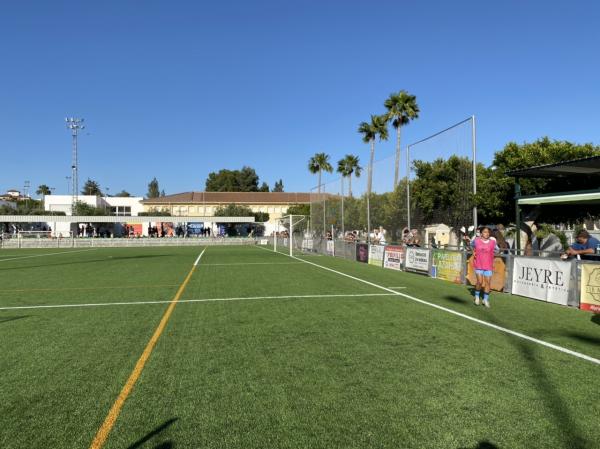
<point x="498" y="277"/>
<point x="590" y="287"/>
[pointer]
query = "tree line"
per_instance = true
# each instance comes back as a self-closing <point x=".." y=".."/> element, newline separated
<point x="440" y="190"/>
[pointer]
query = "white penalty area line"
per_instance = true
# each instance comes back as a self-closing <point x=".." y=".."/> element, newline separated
<point x="462" y="315"/>
<point x="49" y="254"/>
<point x="240" y="298"/>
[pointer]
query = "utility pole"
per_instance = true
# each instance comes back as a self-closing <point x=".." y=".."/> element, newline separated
<point x="74" y="124"/>
<point x="26" y="193"/>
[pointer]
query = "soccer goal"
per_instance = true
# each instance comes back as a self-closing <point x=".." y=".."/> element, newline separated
<point x="292" y="235"/>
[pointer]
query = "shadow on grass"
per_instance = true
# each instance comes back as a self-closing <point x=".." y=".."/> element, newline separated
<point x="567" y="427"/>
<point x="12" y="318"/>
<point x="482" y="445"/>
<point x="81" y="262"/>
<point x="596" y="318"/>
<point x="457" y="299"/>
<point x="157" y="431"/>
<point x="583" y="337"/>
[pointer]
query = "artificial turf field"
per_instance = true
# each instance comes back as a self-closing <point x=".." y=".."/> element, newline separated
<point x="310" y="359"/>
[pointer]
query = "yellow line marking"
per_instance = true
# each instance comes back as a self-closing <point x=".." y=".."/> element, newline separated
<point x="113" y="414"/>
<point x="85" y="288"/>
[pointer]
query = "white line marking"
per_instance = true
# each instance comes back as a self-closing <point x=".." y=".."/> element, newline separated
<point x="48" y="254"/>
<point x="199" y="257"/>
<point x="462" y="315"/>
<point x="250" y="263"/>
<point x="396" y="288"/>
<point x="60" y="306"/>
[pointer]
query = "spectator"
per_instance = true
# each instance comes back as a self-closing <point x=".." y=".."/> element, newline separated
<point x="585" y="244"/>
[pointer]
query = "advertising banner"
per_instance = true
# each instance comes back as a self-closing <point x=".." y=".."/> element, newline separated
<point x="447" y="265"/>
<point x="417" y="259"/>
<point x="542" y="278"/>
<point x="362" y="252"/>
<point x="376" y="255"/>
<point x="393" y="257"/>
<point x="590" y="287"/>
<point x="330" y="248"/>
<point x="264" y="242"/>
<point x="498" y="278"/>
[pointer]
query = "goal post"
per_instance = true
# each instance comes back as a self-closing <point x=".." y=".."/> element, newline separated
<point x="290" y="234"/>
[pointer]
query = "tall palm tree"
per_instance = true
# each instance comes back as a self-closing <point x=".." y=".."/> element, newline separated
<point x="347" y="166"/>
<point x="43" y="190"/>
<point x="370" y="131"/>
<point x="318" y="164"/>
<point x="402" y="108"/>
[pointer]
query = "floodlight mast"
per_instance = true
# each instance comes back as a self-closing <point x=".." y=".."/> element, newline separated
<point x="74" y="124"/>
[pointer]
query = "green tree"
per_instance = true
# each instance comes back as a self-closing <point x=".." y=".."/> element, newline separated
<point x="244" y="180"/>
<point x="235" y="210"/>
<point x="43" y="190"/>
<point x="442" y="191"/>
<point x="278" y="187"/>
<point x="298" y="209"/>
<point x="402" y="108"/>
<point x="348" y="166"/>
<point x="91" y="188"/>
<point x="500" y="200"/>
<point x="81" y="208"/>
<point x="264" y="187"/>
<point x="123" y="194"/>
<point x="318" y="164"/>
<point x="155" y="212"/>
<point x="370" y="131"/>
<point x="153" y="189"/>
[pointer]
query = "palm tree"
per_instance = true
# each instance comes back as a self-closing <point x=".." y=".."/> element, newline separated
<point x="347" y="166"/>
<point x="43" y="190"/>
<point x="370" y="131"/>
<point x="318" y="164"/>
<point x="402" y="108"/>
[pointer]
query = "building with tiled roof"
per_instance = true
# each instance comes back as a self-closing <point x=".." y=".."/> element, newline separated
<point x="275" y="204"/>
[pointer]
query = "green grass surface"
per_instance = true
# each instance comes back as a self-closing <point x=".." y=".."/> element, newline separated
<point x="321" y="372"/>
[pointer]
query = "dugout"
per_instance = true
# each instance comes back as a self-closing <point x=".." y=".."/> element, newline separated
<point x="566" y="201"/>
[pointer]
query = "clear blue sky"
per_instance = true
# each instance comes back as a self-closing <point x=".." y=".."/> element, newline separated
<point x="179" y="89"/>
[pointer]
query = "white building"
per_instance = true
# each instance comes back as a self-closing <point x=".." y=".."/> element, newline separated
<point x="114" y="205"/>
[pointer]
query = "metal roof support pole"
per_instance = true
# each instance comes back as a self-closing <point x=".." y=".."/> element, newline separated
<point x="474" y="143"/>
<point x="518" y="214"/>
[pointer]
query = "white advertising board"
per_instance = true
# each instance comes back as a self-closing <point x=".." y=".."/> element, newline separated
<point x="417" y="259"/>
<point x="542" y="278"/>
<point x="376" y="255"/>
<point x="330" y="248"/>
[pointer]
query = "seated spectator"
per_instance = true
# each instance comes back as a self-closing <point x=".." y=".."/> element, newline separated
<point x="585" y="244"/>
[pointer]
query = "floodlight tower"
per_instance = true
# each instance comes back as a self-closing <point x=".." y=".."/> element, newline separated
<point x="74" y="124"/>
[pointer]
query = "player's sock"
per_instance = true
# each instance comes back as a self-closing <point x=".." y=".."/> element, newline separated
<point x="486" y="299"/>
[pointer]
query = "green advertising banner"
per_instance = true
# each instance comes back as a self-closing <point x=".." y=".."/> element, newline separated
<point x="447" y="265"/>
